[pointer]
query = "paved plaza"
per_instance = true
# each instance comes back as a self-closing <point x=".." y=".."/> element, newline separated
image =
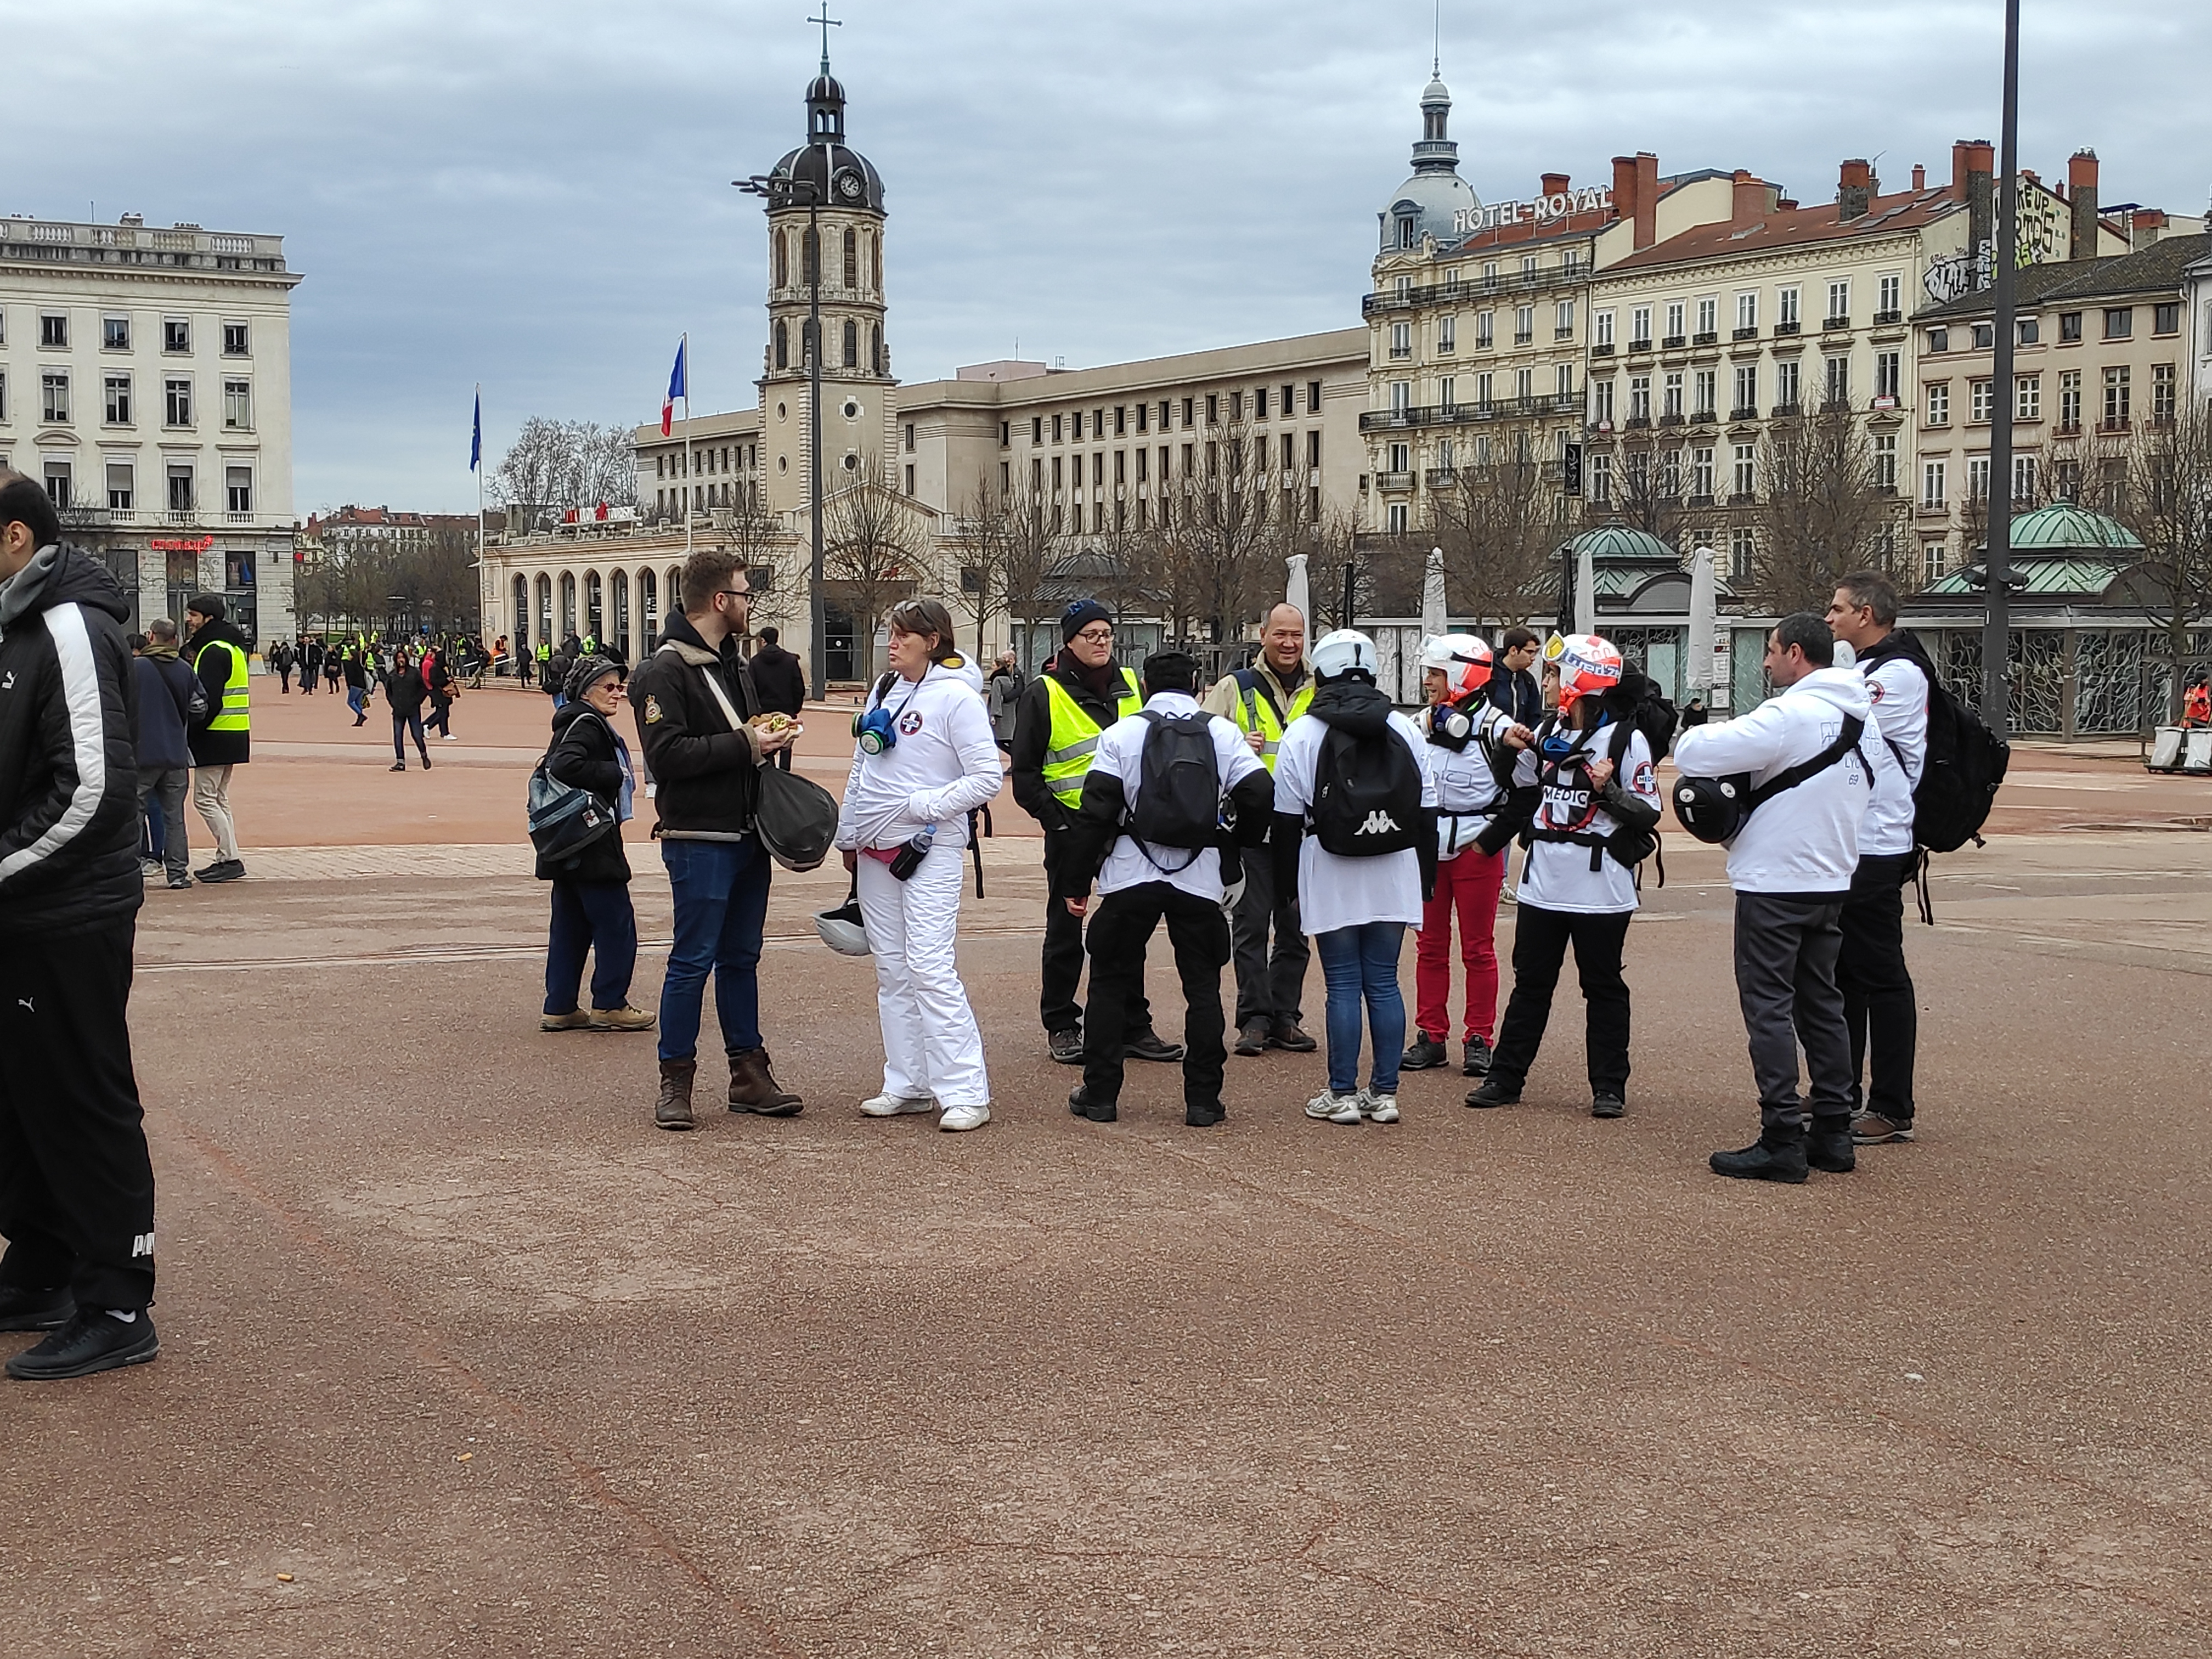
<point x="461" y="1356"/>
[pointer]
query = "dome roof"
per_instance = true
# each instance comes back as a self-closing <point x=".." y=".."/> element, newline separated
<point x="2065" y="528"/>
<point x="1436" y="201"/>
<point x="1617" y="542"/>
<point x="825" y="171"/>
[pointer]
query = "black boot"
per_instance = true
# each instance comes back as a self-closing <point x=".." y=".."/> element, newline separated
<point x="1778" y="1154"/>
<point x="1080" y="1104"/>
<point x="1828" y="1146"/>
<point x="1497" y="1089"/>
<point x="1423" y="1053"/>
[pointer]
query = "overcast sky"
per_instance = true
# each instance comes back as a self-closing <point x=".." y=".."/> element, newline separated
<point x="536" y="193"/>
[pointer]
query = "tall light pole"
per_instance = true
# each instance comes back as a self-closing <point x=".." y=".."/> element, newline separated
<point x="1996" y="565"/>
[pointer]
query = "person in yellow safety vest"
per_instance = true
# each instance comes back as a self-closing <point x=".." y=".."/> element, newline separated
<point x="1057" y="721"/>
<point x="544" y="654"/>
<point x="1263" y="700"/>
<point x="217" y="652"/>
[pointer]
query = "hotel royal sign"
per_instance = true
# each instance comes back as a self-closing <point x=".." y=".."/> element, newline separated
<point x="1560" y="205"/>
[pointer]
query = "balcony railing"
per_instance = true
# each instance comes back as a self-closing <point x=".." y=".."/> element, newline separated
<point x="1637" y="423"/>
<point x="1705" y="417"/>
<point x="1670" y="420"/>
<point x="2113" y="423"/>
<point x="1744" y="412"/>
<point x="1566" y="333"/>
<point x="1523" y="336"/>
<point x="1887" y="319"/>
<point x="1603" y="349"/>
<point x="1643" y="344"/>
<point x="1786" y="411"/>
<point x="1836" y="325"/>
<point x="1442" y="477"/>
<point x="1394" y="482"/>
<point x="1674" y="342"/>
<point x="1456" y="414"/>
<point x="1506" y="283"/>
<point x="1745" y="334"/>
<point x="1708" y="337"/>
<point x="1785" y="328"/>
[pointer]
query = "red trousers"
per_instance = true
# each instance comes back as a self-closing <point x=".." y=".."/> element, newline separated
<point x="1469" y="883"/>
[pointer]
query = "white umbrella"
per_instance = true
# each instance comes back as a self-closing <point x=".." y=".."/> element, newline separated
<point x="1433" y="619"/>
<point x="1699" y="674"/>
<point x="1294" y="593"/>
<point x="1586" y="592"/>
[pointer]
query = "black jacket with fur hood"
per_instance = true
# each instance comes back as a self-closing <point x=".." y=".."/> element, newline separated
<point x="705" y="774"/>
<point x="69" y="773"/>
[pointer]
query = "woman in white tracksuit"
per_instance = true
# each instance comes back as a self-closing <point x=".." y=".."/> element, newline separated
<point x="925" y="759"/>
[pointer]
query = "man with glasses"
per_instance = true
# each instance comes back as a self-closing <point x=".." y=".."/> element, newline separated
<point x="1056" y="726"/>
<point x="693" y="698"/>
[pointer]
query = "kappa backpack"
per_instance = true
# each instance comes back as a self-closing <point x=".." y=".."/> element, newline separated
<point x="1178" y="787"/>
<point x="1367" y="794"/>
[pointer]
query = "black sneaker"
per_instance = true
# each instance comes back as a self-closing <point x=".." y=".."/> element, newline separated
<point x="1496" y="1090"/>
<point x="1148" y="1045"/>
<point x="223" y="870"/>
<point x="1078" y="1105"/>
<point x="1828" y="1146"/>
<point x="1425" y="1053"/>
<point x="90" y="1342"/>
<point x="1474" y="1058"/>
<point x="1252" y="1037"/>
<point x="23" y="1308"/>
<point x="1606" y="1105"/>
<point x="397" y="766"/>
<point x="1066" y="1046"/>
<point x="1203" y="1117"/>
<point x="178" y="882"/>
<point x="1777" y="1155"/>
<point x="1291" y="1036"/>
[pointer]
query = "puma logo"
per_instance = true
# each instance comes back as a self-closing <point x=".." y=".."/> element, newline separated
<point x="24" y="1002"/>
<point x="1378" y="822"/>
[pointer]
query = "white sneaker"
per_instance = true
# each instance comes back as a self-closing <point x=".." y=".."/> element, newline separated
<point x="1380" y="1108"/>
<point x="450" y="737"/>
<point x="1334" y="1108"/>
<point x="894" y="1106"/>
<point x="957" y="1118"/>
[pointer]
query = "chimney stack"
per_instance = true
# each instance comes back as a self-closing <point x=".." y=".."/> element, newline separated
<point x="1555" y="184"/>
<point x="1749" y="204"/>
<point x="2143" y="228"/>
<point x="1919" y="178"/>
<point x="1623" y="187"/>
<point x="1647" y="199"/>
<point x="1854" y="189"/>
<point x="1981" y="196"/>
<point x="2081" y="192"/>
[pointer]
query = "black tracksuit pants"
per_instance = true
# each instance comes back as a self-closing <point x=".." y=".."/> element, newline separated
<point x="1879" y="1005"/>
<point x="1541" y="939"/>
<point x="1785" y="980"/>
<point x="1120" y="926"/>
<point x="76" y="1186"/>
<point x="1063" y="957"/>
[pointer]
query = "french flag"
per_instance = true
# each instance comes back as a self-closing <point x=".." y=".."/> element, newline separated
<point x="677" y="387"/>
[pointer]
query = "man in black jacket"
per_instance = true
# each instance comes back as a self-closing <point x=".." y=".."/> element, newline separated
<point x="76" y="1186"/>
<point x="1056" y="728"/>
<point x="693" y="697"/>
<point x="780" y="682"/>
<point x="218" y="653"/>
<point x="1512" y="687"/>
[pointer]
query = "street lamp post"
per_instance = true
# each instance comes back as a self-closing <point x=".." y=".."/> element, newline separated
<point x="1996" y="565"/>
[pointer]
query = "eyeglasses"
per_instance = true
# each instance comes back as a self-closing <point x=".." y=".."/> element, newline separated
<point x="1097" y="636"/>
<point x="734" y="593"/>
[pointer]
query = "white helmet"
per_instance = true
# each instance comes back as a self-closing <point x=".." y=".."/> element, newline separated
<point x="842" y="930"/>
<point x="1462" y="658"/>
<point x="1347" y="651"/>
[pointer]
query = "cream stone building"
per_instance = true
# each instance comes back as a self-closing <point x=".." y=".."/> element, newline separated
<point x="145" y="380"/>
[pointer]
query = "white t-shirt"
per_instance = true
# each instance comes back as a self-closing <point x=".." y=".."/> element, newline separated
<point x="1120" y="751"/>
<point x="1334" y="891"/>
<point x="1468" y="792"/>
<point x="1558" y="875"/>
<point x="1899" y="690"/>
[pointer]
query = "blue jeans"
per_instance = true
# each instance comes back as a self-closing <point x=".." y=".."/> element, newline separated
<point x="357" y="700"/>
<point x="1361" y="964"/>
<point x="721" y="888"/>
<point x="404" y="721"/>
<point x="590" y="916"/>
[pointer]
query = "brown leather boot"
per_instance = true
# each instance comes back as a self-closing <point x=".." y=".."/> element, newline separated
<point x="673" y="1109"/>
<point x="753" y="1087"/>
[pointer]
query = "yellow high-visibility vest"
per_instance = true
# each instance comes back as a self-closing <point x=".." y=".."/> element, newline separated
<point x="232" y="716"/>
<point x="1074" y="736"/>
<point x="1256" y="712"/>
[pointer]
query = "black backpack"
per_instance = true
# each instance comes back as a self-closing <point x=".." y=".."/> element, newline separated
<point x="1179" y="785"/>
<point x="1965" y="763"/>
<point x="1367" y="794"/>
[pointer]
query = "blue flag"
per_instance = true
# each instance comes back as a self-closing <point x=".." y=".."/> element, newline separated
<point x="677" y="388"/>
<point x="476" y="436"/>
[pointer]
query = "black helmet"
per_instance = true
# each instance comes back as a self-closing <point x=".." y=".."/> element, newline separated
<point x="1712" y="809"/>
<point x="797" y="820"/>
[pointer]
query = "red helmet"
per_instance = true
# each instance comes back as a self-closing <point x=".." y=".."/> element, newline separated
<point x="1461" y="659"/>
<point x="1586" y="663"/>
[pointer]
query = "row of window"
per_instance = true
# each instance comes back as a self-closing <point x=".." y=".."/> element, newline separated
<point x="1702" y="388"/>
<point x="858" y="245"/>
<point x="1290" y="506"/>
<point x="116" y="333"/>
<point x="2027" y="397"/>
<point x="1676" y="315"/>
<point x="781" y="336"/>
<point x="706" y="495"/>
<point x="714" y="457"/>
<point x="2119" y="324"/>
<point x="122" y="478"/>
<point x="1264" y="403"/>
<point x="1485" y="329"/>
<point x="178" y="407"/>
<point x="1263" y="453"/>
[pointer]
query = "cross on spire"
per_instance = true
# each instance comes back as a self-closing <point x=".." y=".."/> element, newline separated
<point x="827" y="22"/>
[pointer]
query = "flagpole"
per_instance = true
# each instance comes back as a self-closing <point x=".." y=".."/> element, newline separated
<point x="684" y="348"/>
<point x="476" y="467"/>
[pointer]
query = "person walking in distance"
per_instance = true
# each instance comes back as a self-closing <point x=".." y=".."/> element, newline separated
<point x="403" y="692"/>
<point x="1056" y="728"/>
<point x="922" y="760"/>
<point x="780" y="680"/>
<point x="438" y="685"/>
<point x="279" y="657"/>
<point x="1002" y="695"/>
<point x="1587" y="791"/>
<point x="1470" y="741"/>
<point x="1792" y="864"/>
<point x="1355" y="835"/>
<point x="225" y="741"/>
<point x="1263" y="700"/>
<point x="1168" y="770"/>
<point x="1881" y="1010"/>
<point x="162" y="712"/>
<point x="694" y="698"/>
<point x="77" y="1186"/>
<point x="591" y="909"/>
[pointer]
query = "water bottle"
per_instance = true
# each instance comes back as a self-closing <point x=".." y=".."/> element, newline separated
<point x="911" y="855"/>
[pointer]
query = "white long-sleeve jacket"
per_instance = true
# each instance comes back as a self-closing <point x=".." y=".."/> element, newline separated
<point x="943" y="766"/>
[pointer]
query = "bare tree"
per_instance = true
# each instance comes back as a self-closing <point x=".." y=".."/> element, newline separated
<point x="559" y="464"/>
<point x="2167" y="503"/>
<point x="774" y="567"/>
<point x="1222" y="548"/>
<point x="1498" y="525"/>
<point x="1820" y="514"/>
<point x="874" y="552"/>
